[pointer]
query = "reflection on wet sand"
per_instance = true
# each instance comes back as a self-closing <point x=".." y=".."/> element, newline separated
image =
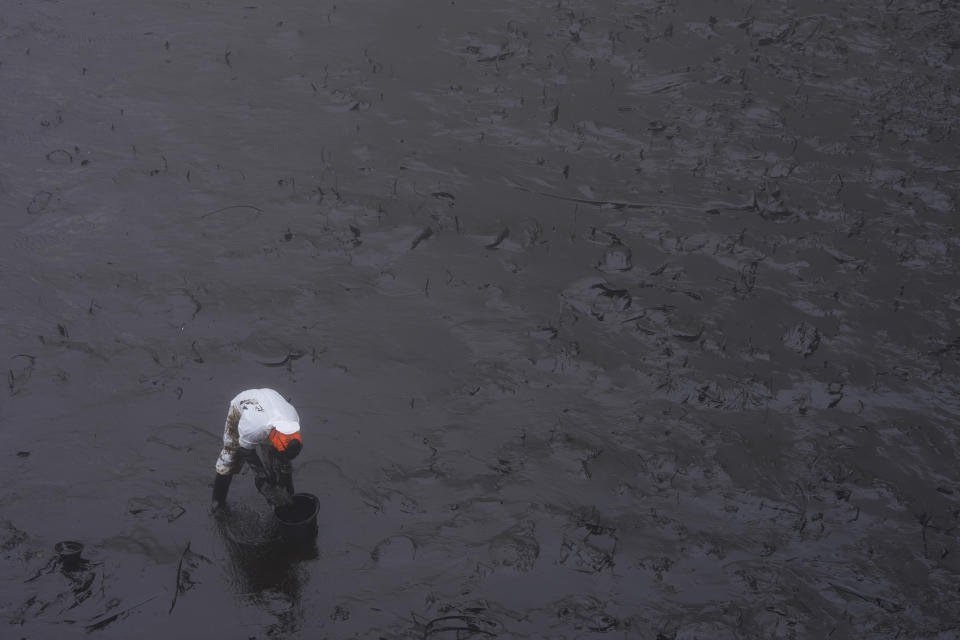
<point x="266" y="569"/>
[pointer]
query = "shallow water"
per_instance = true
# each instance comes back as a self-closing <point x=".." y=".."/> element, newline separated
<point x="620" y="318"/>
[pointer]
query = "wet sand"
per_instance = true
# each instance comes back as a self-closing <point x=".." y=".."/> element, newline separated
<point x="624" y="318"/>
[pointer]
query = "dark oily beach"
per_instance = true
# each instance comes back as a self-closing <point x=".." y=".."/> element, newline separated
<point x="608" y="318"/>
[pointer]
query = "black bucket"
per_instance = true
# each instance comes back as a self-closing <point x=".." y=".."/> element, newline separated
<point x="71" y="554"/>
<point x="298" y="521"/>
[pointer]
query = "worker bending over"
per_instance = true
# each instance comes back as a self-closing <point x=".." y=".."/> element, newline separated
<point x="259" y="418"/>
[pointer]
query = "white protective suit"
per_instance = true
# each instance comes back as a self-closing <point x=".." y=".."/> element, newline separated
<point x="253" y="413"/>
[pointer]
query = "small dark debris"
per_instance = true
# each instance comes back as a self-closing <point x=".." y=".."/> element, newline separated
<point x="443" y="195"/>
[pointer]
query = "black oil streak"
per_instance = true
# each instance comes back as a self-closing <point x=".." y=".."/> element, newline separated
<point x="177" y="582"/>
<point x="426" y="233"/>
<point x="293" y="355"/>
<point x="503" y="235"/>
<point x="443" y="195"/>
<point x="610" y="203"/>
<point x="233" y="206"/>
<point x="104" y="622"/>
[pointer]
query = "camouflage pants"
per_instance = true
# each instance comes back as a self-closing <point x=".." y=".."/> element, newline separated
<point x="231" y="456"/>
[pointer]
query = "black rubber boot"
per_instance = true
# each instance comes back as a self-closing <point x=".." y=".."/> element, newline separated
<point x="221" y="484"/>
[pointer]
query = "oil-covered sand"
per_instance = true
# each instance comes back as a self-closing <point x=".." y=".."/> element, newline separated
<point x="604" y="319"/>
